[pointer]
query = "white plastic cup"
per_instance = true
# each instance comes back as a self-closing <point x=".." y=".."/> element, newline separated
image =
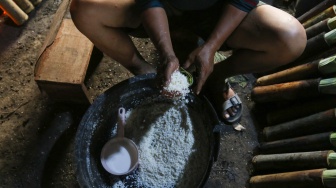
<point x="120" y="155"/>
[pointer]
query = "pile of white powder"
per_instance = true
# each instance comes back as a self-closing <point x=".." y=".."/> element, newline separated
<point x="178" y="86"/>
<point x="173" y="146"/>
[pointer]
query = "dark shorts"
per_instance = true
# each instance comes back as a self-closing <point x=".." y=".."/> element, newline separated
<point x="199" y="22"/>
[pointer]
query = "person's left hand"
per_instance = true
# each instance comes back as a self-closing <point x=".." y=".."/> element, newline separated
<point x="202" y="58"/>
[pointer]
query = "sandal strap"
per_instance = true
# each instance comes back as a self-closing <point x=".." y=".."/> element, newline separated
<point x="232" y="101"/>
<point x="226" y="85"/>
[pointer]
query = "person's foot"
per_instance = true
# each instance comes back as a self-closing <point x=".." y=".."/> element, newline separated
<point x="232" y="111"/>
<point x="226" y="102"/>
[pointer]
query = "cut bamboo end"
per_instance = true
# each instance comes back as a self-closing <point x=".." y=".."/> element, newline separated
<point x="25" y="5"/>
<point x="329" y="178"/>
<point x="327" y="86"/>
<point x="327" y="66"/>
<point x="332" y="23"/>
<point x="36" y="2"/>
<point x="330" y="37"/>
<point x="332" y="160"/>
<point x="333" y="139"/>
<point x="14" y="11"/>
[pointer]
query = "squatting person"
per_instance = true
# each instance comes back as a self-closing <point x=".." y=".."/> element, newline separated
<point x="260" y="36"/>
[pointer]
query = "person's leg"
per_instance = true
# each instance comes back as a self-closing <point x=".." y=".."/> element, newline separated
<point x="102" y="21"/>
<point x="267" y="38"/>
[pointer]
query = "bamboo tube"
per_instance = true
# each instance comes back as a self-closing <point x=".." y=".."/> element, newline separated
<point x="298" y="179"/>
<point x="317" y="47"/>
<point x="286" y="91"/>
<point x="35" y="2"/>
<point x="319" y="43"/>
<point x="14" y="11"/>
<point x="294" y="90"/>
<point x="320" y="27"/>
<point x="25" y="5"/>
<point x="286" y="162"/>
<point x="317" y="28"/>
<point x="316" y="10"/>
<point x="316" y="123"/>
<point x="313" y="69"/>
<point x="331" y="51"/>
<point x="299" y="110"/>
<point x="327" y="13"/>
<point x="308" y="70"/>
<point x="315" y="142"/>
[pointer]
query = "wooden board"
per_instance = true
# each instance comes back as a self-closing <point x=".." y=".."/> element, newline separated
<point x="62" y="66"/>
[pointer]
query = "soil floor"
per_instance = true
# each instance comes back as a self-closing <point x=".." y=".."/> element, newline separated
<point x="37" y="133"/>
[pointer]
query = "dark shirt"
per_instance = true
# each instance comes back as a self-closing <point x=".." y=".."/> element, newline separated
<point x="244" y="5"/>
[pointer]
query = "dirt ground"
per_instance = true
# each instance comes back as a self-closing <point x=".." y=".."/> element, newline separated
<point x="37" y="134"/>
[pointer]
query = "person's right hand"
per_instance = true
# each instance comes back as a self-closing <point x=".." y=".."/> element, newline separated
<point x="168" y="65"/>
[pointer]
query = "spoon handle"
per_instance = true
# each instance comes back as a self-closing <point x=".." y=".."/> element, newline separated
<point x="121" y="122"/>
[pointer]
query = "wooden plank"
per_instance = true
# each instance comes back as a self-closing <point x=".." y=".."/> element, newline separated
<point x="67" y="59"/>
<point x="58" y="18"/>
<point x="62" y="67"/>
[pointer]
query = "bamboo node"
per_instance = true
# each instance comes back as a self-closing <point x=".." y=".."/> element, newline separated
<point x="330" y="37"/>
<point x="327" y="86"/>
<point x="327" y="66"/>
<point x="329" y="178"/>
<point x="332" y="160"/>
<point x="332" y="23"/>
<point x="333" y="139"/>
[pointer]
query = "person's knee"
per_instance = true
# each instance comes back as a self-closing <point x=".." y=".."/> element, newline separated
<point x="77" y="10"/>
<point x="293" y="41"/>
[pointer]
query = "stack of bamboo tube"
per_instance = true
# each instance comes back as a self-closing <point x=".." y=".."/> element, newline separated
<point x="18" y="10"/>
<point x="298" y="136"/>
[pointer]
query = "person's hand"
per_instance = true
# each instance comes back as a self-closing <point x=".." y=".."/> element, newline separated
<point x="200" y="60"/>
<point x="166" y="68"/>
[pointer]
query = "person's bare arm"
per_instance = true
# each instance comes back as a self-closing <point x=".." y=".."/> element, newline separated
<point x="203" y="56"/>
<point x="156" y="24"/>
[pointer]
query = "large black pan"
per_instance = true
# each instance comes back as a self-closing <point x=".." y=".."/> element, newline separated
<point x="98" y="123"/>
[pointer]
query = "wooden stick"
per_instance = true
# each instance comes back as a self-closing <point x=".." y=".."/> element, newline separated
<point x="35" y="2"/>
<point x="286" y="162"/>
<point x="327" y="13"/>
<point x="25" y="5"/>
<point x="14" y="11"/>
<point x="299" y="110"/>
<point x="316" y="123"/>
<point x="286" y="91"/>
<point x="297" y="179"/>
<point x="315" y="142"/>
